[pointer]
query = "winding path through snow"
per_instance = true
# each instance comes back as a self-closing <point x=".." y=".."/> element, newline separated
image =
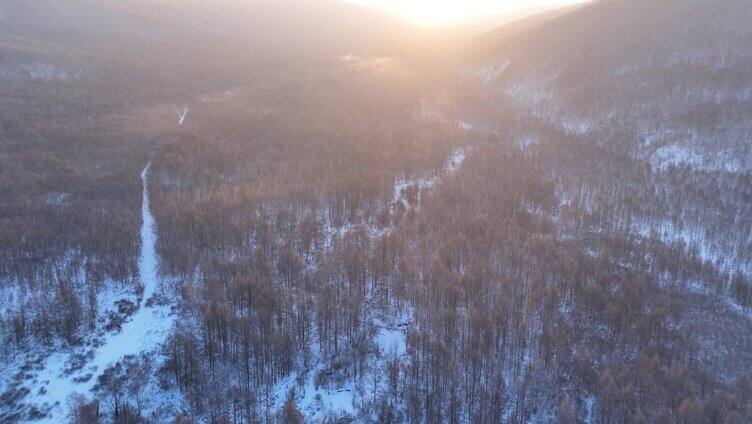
<point x="144" y="331"/>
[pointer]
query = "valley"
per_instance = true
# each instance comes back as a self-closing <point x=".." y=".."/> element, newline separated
<point x="287" y="212"/>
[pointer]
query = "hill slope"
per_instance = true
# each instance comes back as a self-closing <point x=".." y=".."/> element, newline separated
<point x="640" y="110"/>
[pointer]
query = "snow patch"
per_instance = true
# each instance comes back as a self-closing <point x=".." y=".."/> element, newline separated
<point x="589" y="409"/>
<point x="674" y="155"/>
<point x="491" y="73"/>
<point x="57" y="198"/>
<point x="527" y="141"/>
<point x="38" y="72"/>
<point x="343" y="398"/>
<point x="577" y="126"/>
<point x="465" y="125"/>
<point x="315" y="401"/>
<point x="373" y="64"/>
<point x="419" y="184"/>
<point x="696" y="241"/>
<point x="182" y="115"/>
<point x="401" y="198"/>
<point x="392" y="340"/>
<point x="457" y="158"/>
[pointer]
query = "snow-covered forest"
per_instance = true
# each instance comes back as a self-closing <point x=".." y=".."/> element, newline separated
<point x="208" y="221"/>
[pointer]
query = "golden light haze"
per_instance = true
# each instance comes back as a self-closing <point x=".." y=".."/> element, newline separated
<point x="452" y="12"/>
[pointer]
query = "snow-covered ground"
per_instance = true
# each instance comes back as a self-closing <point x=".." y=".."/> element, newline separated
<point x="674" y="154"/>
<point x="422" y="183"/>
<point x="399" y="200"/>
<point x="61" y="374"/>
<point x="589" y="409"/>
<point x="696" y="241"/>
<point x="182" y="115"/>
<point x="315" y="402"/>
<point x="457" y="158"/>
<point x="691" y="153"/>
<point x="489" y="74"/>
<point x="346" y="397"/>
<point x="38" y="72"/>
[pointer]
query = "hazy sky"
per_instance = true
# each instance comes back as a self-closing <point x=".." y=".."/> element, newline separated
<point x="448" y="12"/>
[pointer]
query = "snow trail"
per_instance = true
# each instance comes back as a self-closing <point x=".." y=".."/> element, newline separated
<point x="181" y="117"/>
<point x="147" y="262"/>
<point x="144" y="331"/>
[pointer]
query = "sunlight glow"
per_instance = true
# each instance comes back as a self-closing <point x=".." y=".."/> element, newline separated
<point x="450" y="12"/>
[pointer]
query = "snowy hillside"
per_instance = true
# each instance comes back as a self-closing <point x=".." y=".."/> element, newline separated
<point x="668" y="85"/>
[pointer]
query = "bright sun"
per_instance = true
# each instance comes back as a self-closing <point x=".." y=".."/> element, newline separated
<point x="448" y="12"/>
<point x="437" y="12"/>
